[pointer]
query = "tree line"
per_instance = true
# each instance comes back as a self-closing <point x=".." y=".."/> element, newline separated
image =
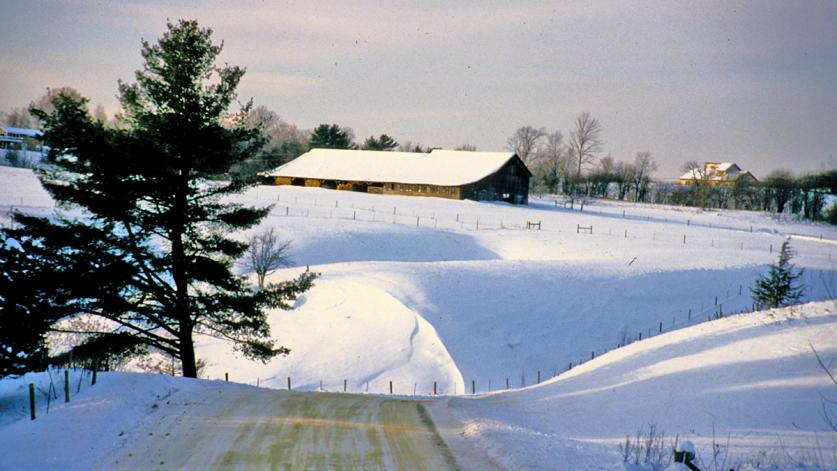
<point x="284" y="141"/>
<point x="575" y="169"/>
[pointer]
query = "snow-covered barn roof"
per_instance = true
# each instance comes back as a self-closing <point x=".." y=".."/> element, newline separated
<point x="439" y="167"/>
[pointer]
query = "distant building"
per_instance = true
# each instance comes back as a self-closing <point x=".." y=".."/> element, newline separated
<point x="724" y="174"/>
<point x="12" y="138"/>
<point x="441" y="173"/>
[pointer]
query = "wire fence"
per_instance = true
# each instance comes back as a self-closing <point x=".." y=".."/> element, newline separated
<point x="469" y="221"/>
<point x="728" y="302"/>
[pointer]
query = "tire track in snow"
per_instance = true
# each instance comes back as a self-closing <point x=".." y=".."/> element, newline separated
<point x="249" y="428"/>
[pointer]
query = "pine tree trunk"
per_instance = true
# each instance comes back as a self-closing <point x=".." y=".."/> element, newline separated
<point x="187" y="353"/>
<point x="181" y="281"/>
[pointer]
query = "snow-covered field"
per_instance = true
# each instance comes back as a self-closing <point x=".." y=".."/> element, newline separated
<point x="440" y="300"/>
<point x="423" y="290"/>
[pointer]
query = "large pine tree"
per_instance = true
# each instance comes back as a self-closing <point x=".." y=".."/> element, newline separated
<point x="151" y="251"/>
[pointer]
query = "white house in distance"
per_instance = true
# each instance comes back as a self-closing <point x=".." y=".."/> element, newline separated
<point x="440" y="173"/>
<point x="717" y="174"/>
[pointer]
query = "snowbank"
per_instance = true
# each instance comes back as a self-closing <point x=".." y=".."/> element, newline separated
<point x="751" y="377"/>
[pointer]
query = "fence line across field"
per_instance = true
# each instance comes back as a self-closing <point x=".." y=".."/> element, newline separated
<point x="509" y="382"/>
<point x="526" y="378"/>
<point x="750" y="228"/>
<point x="464" y="221"/>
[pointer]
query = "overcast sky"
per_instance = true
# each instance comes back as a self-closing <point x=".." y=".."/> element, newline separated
<point x="750" y="82"/>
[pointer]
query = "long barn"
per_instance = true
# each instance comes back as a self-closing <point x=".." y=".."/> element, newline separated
<point x="450" y="174"/>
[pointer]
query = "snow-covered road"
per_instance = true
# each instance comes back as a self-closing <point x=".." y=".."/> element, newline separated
<point x="248" y="428"/>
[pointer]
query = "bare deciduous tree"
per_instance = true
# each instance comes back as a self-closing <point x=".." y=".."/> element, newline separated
<point x="18" y="117"/>
<point x="697" y="178"/>
<point x="265" y="254"/>
<point x="45" y="101"/>
<point x="585" y="140"/>
<point x="100" y="114"/>
<point x="525" y="142"/>
<point x="553" y="151"/>
<point x="467" y="148"/>
<point x="644" y="165"/>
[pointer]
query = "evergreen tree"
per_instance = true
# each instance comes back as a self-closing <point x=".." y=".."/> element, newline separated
<point x="781" y="285"/>
<point x="382" y="143"/>
<point x="151" y="253"/>
<point x="330" y="137"/>
<point x="24" y="317"/>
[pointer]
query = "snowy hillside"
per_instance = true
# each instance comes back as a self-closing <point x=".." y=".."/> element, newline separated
<point x="499" y="301"/>
<point x="753" y="378"/>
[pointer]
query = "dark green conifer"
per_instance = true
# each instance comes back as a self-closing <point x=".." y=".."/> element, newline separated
<point x="151" y="251"/>
<point x="781" y="285"/>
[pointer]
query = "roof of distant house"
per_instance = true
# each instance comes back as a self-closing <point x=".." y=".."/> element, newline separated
<point x="439" y="167"/>
<point x="692" y="174"/>
<point x="711" y="173"/>
<point x="724" y="166"/>
<point x="22" y="131"/>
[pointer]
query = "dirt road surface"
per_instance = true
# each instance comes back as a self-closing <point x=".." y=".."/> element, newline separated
<point x="250" y="428"/>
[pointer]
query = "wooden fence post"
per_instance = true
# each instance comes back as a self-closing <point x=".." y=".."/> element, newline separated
<point x="345" y="384"/>
<point x="390" y="387"/>
<point x="539" y="376"/>
<point x="473" y="387"/>
<point x="226" y="376"/>
<point x="507" y="383"/>
<point x="661" y="328"/>
<point x="95" y="369"/>
<point x="289" y="383"/>
<point x="66" y="385"/>
<point x="434" y="388"/>
<point x="32" y="400"/>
